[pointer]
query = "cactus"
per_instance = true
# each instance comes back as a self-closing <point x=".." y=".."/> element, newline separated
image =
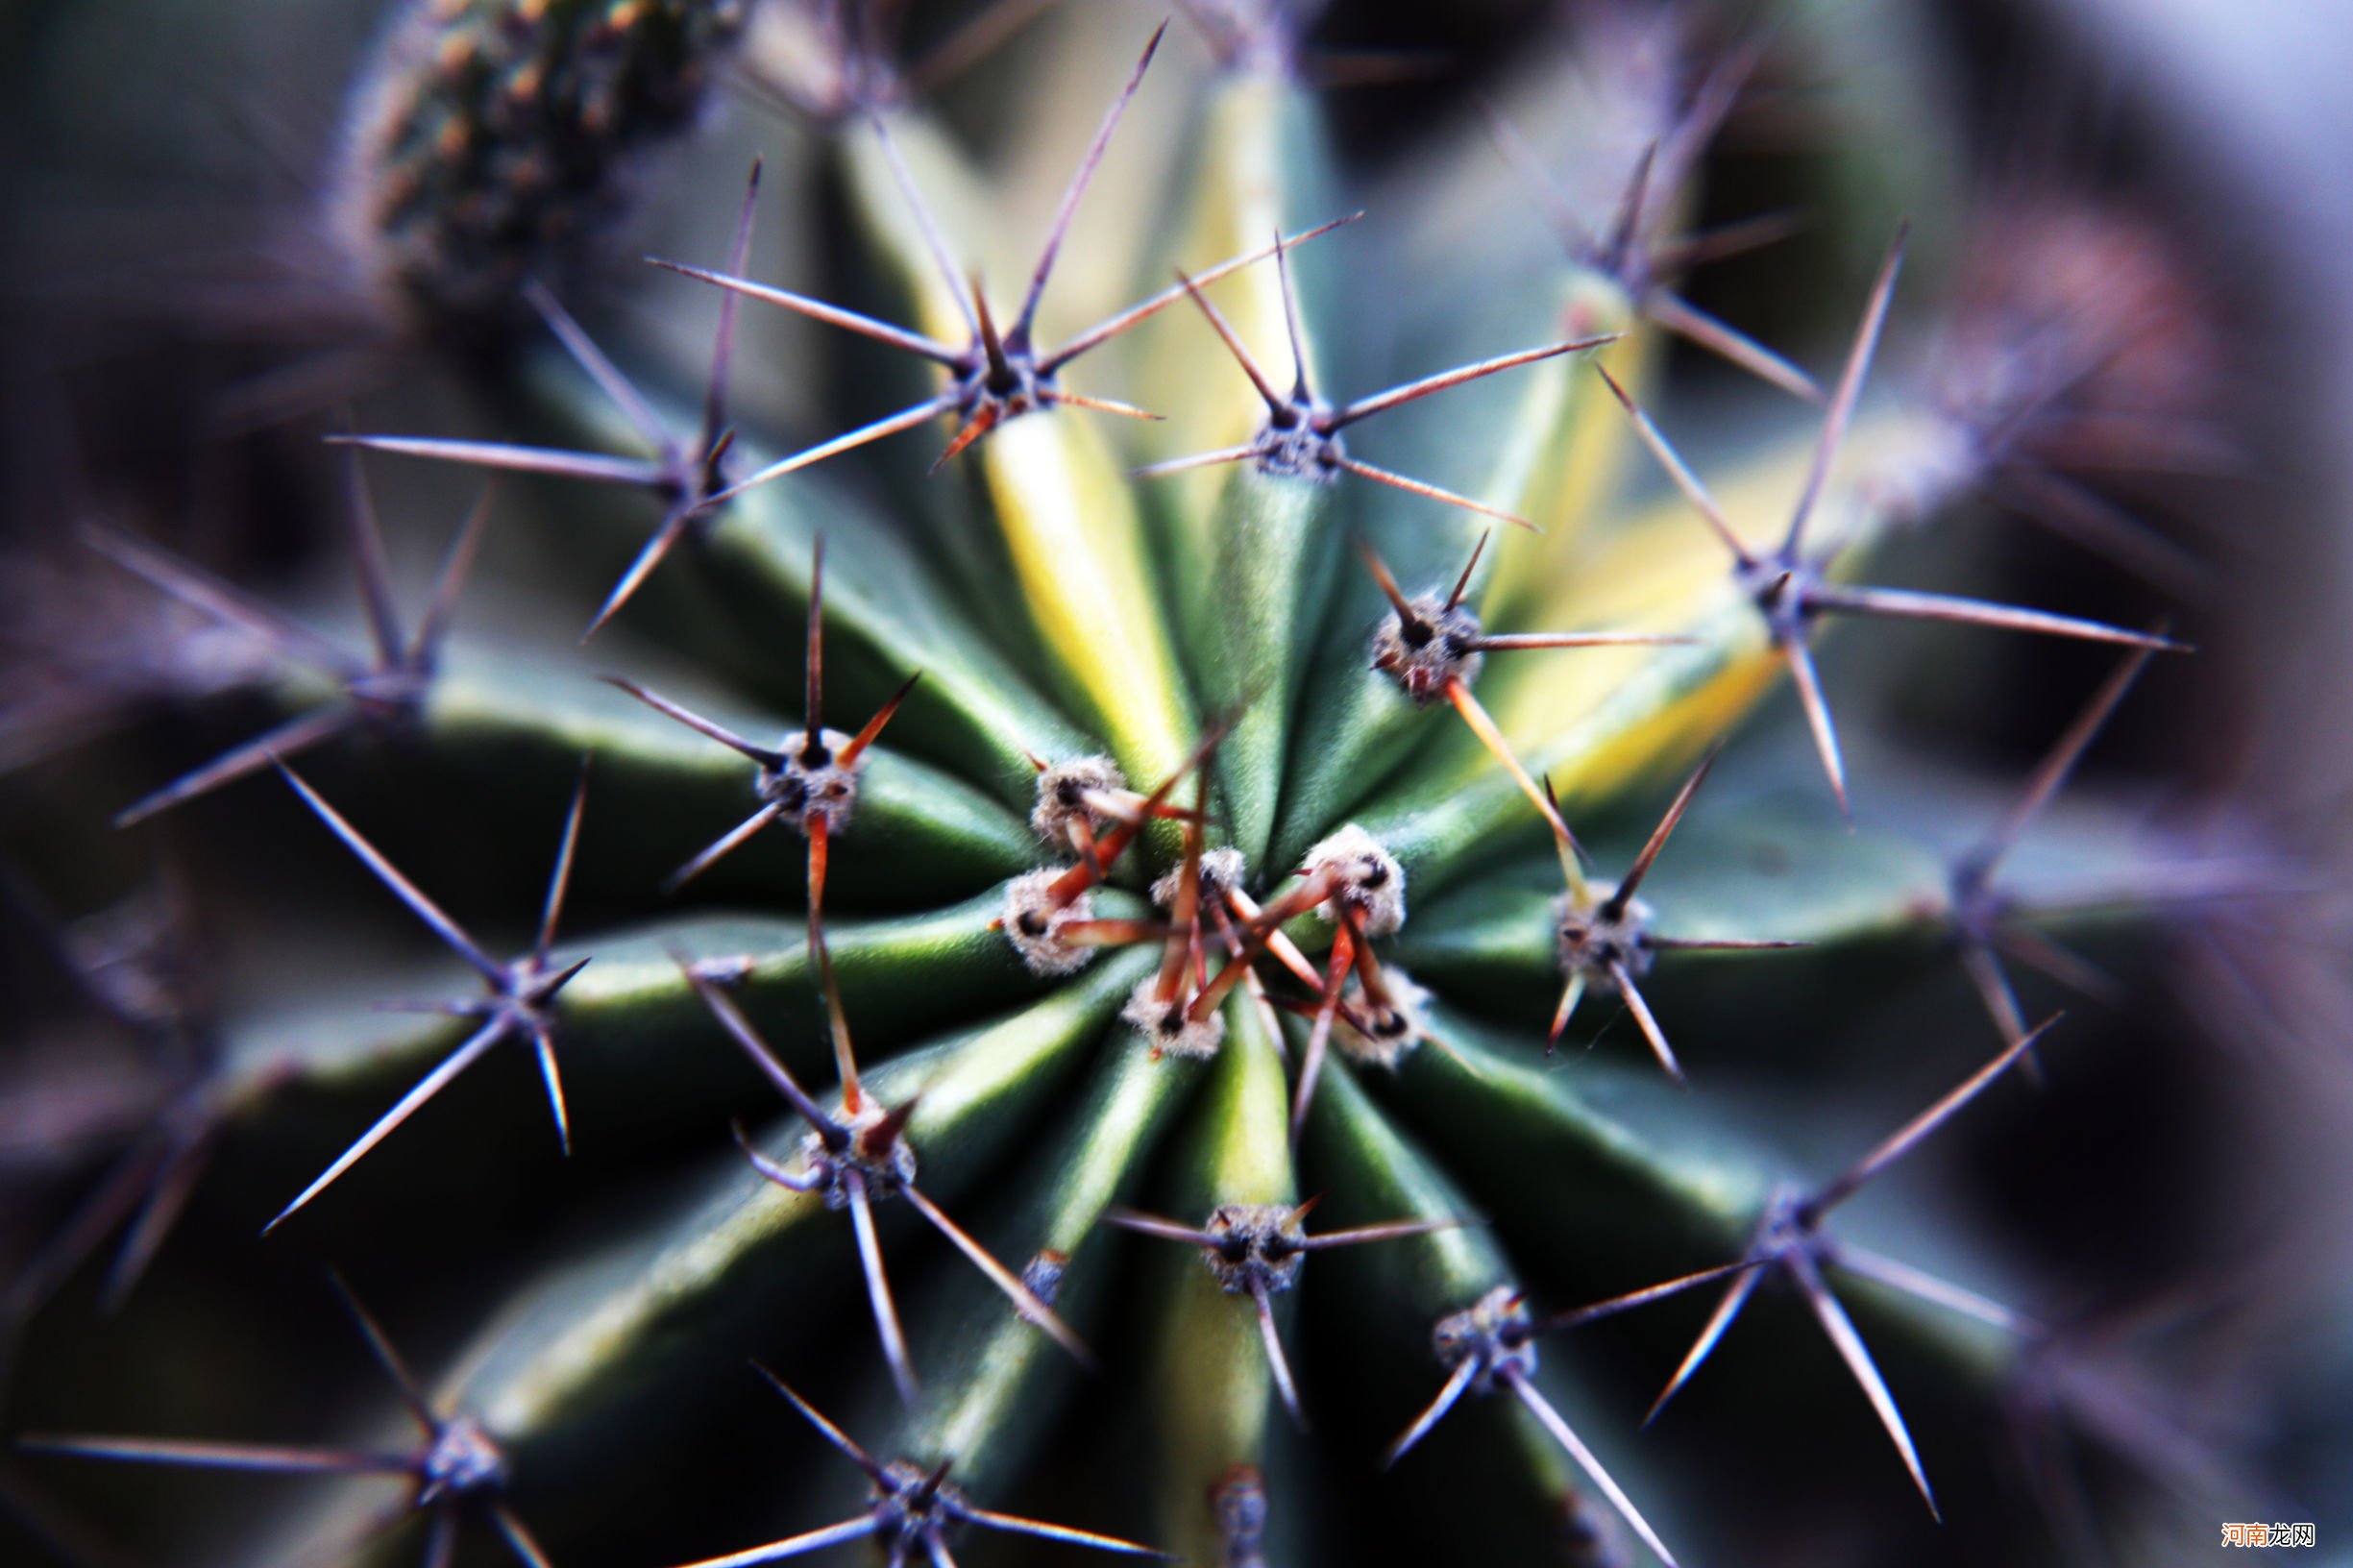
<point x="1253" y="841"/>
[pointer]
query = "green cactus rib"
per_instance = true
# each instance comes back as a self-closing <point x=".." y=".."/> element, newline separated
<point x="585" y="1358"/>
<point x="631" y="1014"/>
<point x="1724" y="878"/>
<point x="1246" y="556"/>
<point x="1068" y="518"/>
<point x="1262" y="164"/>
<point x="1664" y="1188"/>
<point x="919" y="833"/>
<point x="888" y="613"/>
<point x="1244" y="632"/>
<point x="986" y="1410"/>
<point x="1366" y="737"/>
<point x="1210" y="1384"/>
<point x="1644" y="1163"/>
<point x="1660" y="1192"/>
<point x="1451" y="814"/>
<point x="1887" y="881"/>
<point x="1561" y="460"/>
<point x="1397" y="1292"/>
<point x="992" y="1382"/>
<point x="984" y="1404"/>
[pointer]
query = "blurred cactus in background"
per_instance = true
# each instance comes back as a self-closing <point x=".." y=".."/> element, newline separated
<point x="1152" y="648"/>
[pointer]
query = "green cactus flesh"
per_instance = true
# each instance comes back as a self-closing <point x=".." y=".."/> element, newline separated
<point x="1395" y="932"/>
